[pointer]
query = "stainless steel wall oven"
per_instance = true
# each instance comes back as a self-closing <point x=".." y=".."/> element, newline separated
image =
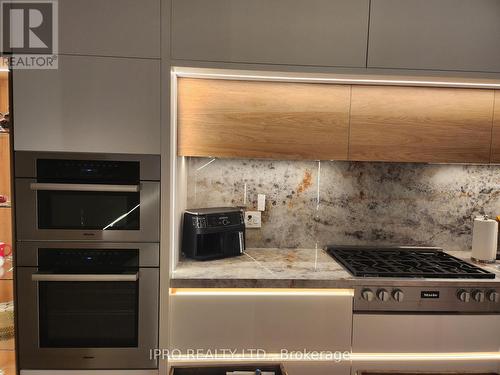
<point x="87" y="230"/>
<point x="87" y="305"/>
<point x="92" y="197"/>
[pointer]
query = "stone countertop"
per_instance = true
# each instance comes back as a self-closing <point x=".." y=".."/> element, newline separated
<point x="294" y="268"/>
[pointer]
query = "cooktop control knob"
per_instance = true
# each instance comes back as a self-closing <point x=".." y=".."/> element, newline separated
<point x="383" y="295"/>
<point x="463" y="295"/>
<point x="367" y="295"/>
<point x="493" y="296"/>
<point x="398" y="295"/>
<point x="478" y="295"/>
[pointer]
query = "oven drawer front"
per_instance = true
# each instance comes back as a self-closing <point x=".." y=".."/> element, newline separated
<point x="31" y="227"/>
<point x="38" y="352"/>
<point x="438" y="333"/>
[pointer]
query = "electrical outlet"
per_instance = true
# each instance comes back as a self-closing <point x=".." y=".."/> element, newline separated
<point x="253" y="219"/>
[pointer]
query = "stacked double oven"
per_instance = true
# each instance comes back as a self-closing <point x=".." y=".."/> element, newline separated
<point x="87" y="261"/>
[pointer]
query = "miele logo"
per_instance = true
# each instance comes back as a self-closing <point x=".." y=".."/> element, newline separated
<point x="429" y="294"/>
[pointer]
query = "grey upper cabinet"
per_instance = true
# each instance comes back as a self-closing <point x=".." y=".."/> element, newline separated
<point x="291" y="32"/>
<point x="462" y="35"/>
<point x="128" y="28"/>
<point x="89" y="104"/>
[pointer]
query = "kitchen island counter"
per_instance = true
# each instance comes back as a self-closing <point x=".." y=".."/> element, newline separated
<point x="294" y="268"/>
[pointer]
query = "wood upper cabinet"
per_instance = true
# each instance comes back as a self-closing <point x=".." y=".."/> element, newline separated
<point x="250" y="119"/>
<point x="495" y="144"/>
<point x="292" y="32"/>
<point x="411" y="124"/>
<point x="435" y="34"/>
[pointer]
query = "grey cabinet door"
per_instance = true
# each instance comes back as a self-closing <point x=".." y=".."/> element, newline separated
<point x="291" y="32"/>
<point x="89" y="104"/>
<point x="462" y="35"/>
<point x="128" y="28"/>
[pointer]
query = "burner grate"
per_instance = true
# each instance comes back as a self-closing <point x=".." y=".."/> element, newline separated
<point x="405" y="262"/>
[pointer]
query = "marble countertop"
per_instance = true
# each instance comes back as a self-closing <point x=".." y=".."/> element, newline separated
<point x="294" y="268"/>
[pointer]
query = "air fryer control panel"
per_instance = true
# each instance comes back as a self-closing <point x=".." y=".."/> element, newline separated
<point x="218" y="220"/>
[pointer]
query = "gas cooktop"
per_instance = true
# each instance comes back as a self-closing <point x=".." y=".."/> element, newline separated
<point x="412" y="262"/>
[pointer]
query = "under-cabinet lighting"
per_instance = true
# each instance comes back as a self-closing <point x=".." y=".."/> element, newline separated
<point x="5" y="70"/>
<point x="293" y="77"/>
<point x="260" y="292"/>
<point x="409" y="357"/>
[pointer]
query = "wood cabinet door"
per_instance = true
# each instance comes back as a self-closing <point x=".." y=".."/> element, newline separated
<point x="293" y="32"/>
<point x="275" y="120"/>
<point x="435" y="34"/>
<point x="421" y="124"/>
<point x="495" y="144"/>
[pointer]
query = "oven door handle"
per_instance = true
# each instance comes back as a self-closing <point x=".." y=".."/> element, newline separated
<point x="84" y="277"/>
<point x="85" y="187"/>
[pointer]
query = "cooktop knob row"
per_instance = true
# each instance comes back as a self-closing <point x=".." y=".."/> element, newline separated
<point x="382" y="295"/>
<point x="478" y="296"/>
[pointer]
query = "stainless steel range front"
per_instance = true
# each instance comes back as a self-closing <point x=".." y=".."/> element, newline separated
<point x="420" y="302"/>
<point x="390" y="280"/>
<point x="87" y="305"/>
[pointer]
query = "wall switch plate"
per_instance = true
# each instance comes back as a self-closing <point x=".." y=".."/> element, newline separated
<point x="261" y="202"/>
<point x="253" y="219"/>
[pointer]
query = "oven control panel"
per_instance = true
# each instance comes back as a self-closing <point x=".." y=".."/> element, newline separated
<point x="479" y="298"/>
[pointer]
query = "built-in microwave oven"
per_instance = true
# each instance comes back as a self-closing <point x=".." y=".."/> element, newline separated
<point x="87" y="305"/>
<point x="87" y="197"/>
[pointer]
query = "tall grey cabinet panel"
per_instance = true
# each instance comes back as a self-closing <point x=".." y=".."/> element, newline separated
<point x="292" y="32"/>
<point x="462" y="35"/>
<point x="129" y="28"/>
<point x="89" y="104"/>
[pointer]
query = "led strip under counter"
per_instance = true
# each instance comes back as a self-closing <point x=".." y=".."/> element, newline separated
<point x="417" y="357"/>
<point x="348" y="357"/>
<point x="261" y="292"/>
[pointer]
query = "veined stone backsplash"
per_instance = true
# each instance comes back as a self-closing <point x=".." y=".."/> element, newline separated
<point x="310" y="203"/>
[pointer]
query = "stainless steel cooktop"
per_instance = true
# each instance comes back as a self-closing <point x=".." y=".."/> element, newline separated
<point x="373" y="263"/>
<point x="405" y="262"/>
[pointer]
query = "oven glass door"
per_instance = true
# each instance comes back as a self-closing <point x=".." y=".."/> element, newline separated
<point x="88" y="210"/>
<point x="88" y="314"/>
<point x="114" y="213"/>
<point x="87" y="321"/>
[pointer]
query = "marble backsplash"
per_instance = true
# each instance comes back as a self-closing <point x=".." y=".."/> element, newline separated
<point x="310" y="203"/>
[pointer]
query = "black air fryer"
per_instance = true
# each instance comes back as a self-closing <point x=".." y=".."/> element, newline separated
<point x="213" y="233"/>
